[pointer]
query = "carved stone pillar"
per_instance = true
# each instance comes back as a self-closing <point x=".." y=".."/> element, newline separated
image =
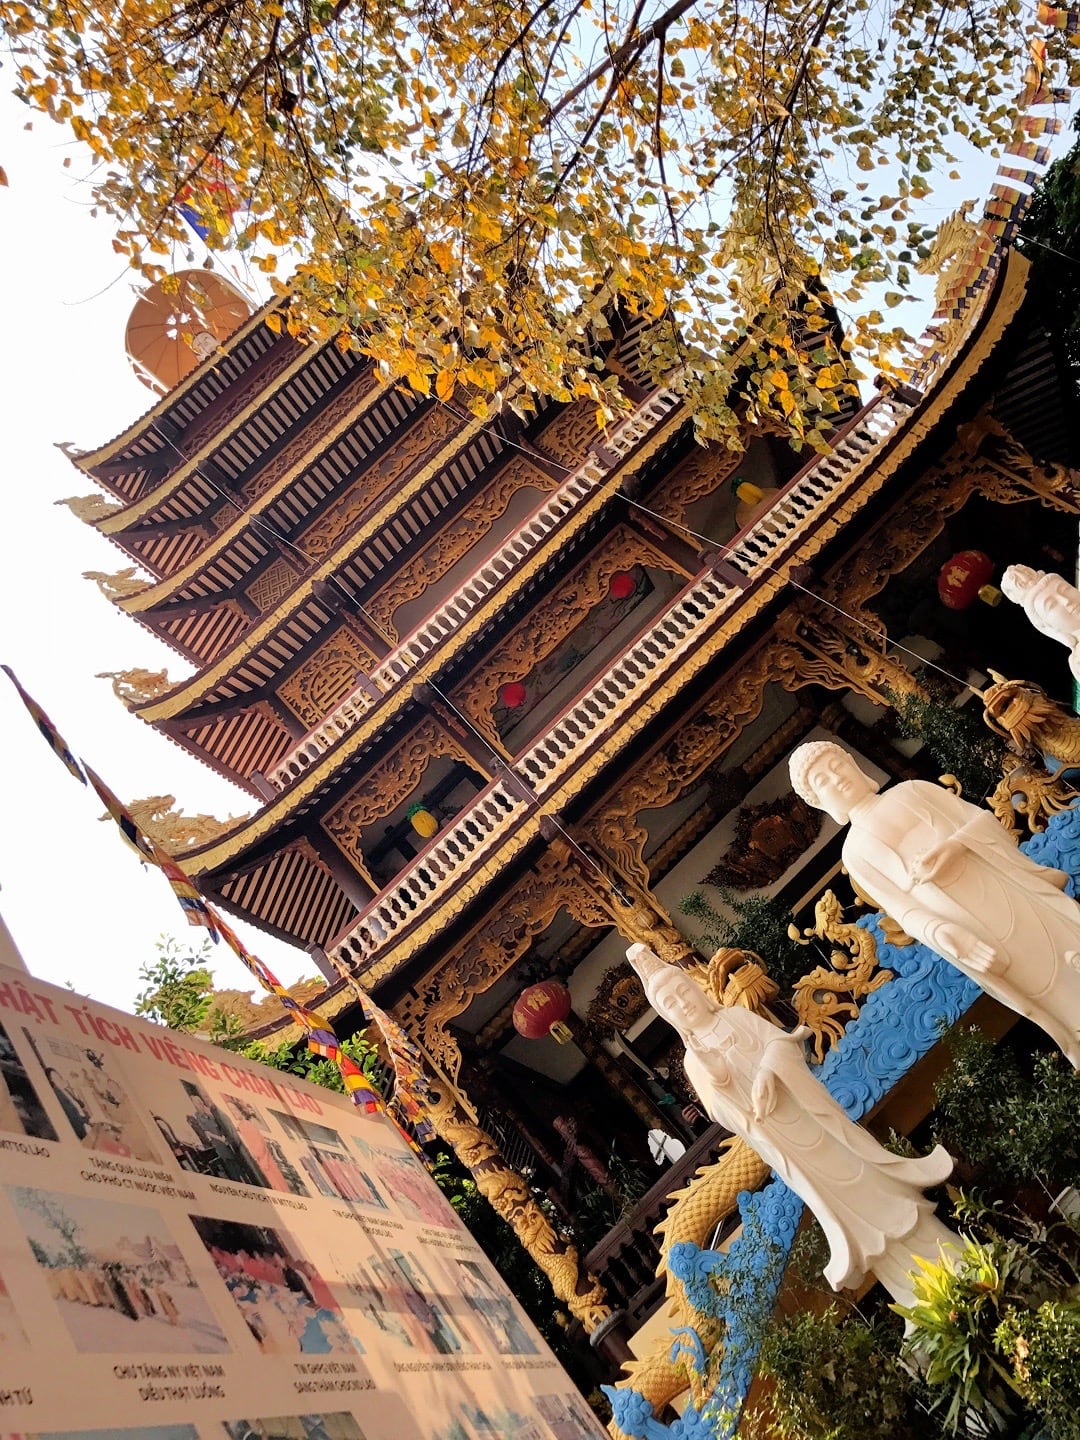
<point x="510" y="1197"/>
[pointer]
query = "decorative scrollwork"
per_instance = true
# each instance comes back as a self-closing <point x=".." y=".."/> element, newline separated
<point x="119" y="584"/>
<point x="89" y="508"/>
<point x="828" y="999"/>
<point x="135" y="687"/>
<point x="158" y="817"/>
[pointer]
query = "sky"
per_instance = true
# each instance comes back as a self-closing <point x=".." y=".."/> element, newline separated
<point x="80" y="907"/>
<point x="78" y="903"/>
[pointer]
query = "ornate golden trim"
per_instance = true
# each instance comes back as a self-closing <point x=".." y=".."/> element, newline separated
<point x="1006" y="300"/>
<point x="387" y="784"/>
<point x="132" y="433"/>
<point x="1009" y="297"/>
<point x="454" y="542"/>
<point x="311" y="446"/>
<point x="139" y="509"/>
<point x="198" y="685"/>
<point x="482" y="616"/>
<point x="539" y="634"/>
<point x="428" y="431"/>
<point x="496" y="944"/>
<point x="325" y="678"/>
<point x="679" y="763"/>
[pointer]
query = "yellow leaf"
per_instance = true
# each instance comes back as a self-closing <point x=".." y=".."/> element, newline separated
<point x="443" y="255"/>
<point x="444" y="384"/>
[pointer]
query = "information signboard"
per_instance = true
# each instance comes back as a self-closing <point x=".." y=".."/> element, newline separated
<point x="196" y="1247"/>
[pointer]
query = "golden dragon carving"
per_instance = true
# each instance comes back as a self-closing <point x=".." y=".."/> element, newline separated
<point x="1033" y="726"/>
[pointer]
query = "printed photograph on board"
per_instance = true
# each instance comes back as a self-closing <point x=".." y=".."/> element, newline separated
<point x="424" y="1315"/>
<point x="93" y="1097"/>
<point x="140" y="1432"/>
<point x="287" y="1305"/>
<point x="327" y="1162"/>
<point x="367" y="1299"/>
<point x="11" y="1331"/>
<point x="116" y="1275"/>
<point x="210" y="1137"/>
<point x="338" y="1426"/>
<point x="406" y="1179"/>
<point x="21" y="1109"/>
<point x="569" y="1418"/>
<point x="493" y="1309"/>
<point x="473" y="1422"/>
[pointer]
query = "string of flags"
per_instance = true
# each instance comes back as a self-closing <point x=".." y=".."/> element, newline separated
<point x="405" y="1105"/>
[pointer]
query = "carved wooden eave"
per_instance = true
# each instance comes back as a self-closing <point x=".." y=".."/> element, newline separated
<point x="212" y="507"/>
<point x="181" y="487"/>
<point x="212" y="684"/>
<point x="611" y="745"/>
<point x="255" y="730"/>
<point x="188" y="398"/>
<point x="316" y="489"/>
<point x="387" y="711"/>
<point x="360" y="403"/>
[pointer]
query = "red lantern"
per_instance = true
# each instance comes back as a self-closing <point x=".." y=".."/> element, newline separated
<point x="513" y="696"/>
<point x="541" y="1009"/>
<point x="966" y="578"/>
<point x="622" y="586"/>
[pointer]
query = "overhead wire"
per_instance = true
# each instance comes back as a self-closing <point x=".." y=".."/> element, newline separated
<point x="268" y="528"/>
<point x="265" y="526"/>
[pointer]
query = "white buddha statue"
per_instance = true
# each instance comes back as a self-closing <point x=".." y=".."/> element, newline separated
<point x="949" y="875"/>
<point x="1050" y="603"/>
<point x="753" y="1079"/>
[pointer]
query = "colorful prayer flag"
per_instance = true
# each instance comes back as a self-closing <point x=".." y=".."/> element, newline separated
<point x="52" y="737"/>
<point x="196" y="909"/>
<point x="129" y="830"/>
<point x="405" y="1055"/>
<point x="1021" y="149"/>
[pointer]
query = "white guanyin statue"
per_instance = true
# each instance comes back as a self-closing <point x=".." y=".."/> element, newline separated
<point x="1050" y="603"/>
<point x="753" y="1079"/>
<point x="949" y="875"/>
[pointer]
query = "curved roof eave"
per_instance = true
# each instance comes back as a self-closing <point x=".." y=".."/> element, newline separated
<point x="111" y="448"/>
<point x="161" y="590"/>
<point x="140" y="509"/>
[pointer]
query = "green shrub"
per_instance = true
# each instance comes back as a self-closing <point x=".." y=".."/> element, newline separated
<point x="756" y="923"/>
<point x="992" y="1114"/>
<point x="843" y="1379"/>
<point x="1043" y="1348"/>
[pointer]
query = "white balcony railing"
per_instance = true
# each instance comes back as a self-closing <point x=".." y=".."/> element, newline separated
<point x="499" y="567"/>
<point x="431" y="878"/>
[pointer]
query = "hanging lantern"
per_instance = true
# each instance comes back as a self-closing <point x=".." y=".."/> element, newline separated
<point x="541" y="1009"/>
<point x="966" y="578"/>
<point x="422" y="821"/>
<point x="622" y="585"/>
<point x="513" y="695"/>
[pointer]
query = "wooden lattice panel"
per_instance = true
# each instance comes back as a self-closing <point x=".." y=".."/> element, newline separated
<point x="325" y="678"/>
<point x="272" y="586"/>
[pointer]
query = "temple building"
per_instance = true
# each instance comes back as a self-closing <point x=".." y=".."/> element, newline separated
<point x="504" y="693"/>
